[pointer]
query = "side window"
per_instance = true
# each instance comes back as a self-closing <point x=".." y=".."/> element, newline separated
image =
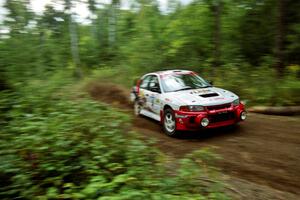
<point x="145" y="82"/>
<point x="154" y="84"/>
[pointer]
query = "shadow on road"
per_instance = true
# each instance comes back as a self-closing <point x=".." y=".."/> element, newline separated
<point x="206" y="134"/>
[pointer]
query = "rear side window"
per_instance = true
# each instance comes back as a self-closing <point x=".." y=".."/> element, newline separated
<point x="145" y="82"/>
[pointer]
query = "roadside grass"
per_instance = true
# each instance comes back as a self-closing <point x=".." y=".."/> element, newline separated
<point x="57" y="143"/>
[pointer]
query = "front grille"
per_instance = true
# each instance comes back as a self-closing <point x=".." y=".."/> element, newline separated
<point x="218" y="107"/>
<point x="221" y="117"/>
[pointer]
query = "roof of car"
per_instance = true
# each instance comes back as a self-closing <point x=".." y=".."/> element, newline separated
<point x="171" y="72"/>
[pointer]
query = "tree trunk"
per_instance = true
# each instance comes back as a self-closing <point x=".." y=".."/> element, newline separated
<point x="112" y="25"/>
<point x="280" y="34"/>
<point x="281" y="110"/>
<point x="114" y="7"/>
<point x="74" y="47"/>
<point x="217" y="12"/>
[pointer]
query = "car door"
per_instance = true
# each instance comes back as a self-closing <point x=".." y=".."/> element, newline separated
<point x="154" y="93"/>
<point x="144" y="92"/>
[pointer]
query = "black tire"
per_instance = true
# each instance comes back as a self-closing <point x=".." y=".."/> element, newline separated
<point x="169" y="128"/>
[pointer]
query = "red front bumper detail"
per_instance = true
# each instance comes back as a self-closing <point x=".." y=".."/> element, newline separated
<point x="219" y="117"/>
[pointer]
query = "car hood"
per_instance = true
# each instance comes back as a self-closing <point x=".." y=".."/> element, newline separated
<point x="205" y="96"/>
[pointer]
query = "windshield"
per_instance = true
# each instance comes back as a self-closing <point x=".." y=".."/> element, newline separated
<point x="177" y="82"/>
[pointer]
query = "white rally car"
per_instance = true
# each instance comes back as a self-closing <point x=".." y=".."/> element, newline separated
<point x="182" y="100"/>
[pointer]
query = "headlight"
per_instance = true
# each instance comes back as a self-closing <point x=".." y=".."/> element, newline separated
<point x="192" y="108"/>
<point x="204" y="122"/>
<point x="236" y="102"/>
<point x="243" y="115"/>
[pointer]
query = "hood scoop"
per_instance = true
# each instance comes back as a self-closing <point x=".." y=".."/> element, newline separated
<point x="209" y="95"/>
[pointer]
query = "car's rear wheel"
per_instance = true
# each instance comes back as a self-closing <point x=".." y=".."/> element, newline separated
<point x="169" y="122"/>
<point x="137" y="108"/>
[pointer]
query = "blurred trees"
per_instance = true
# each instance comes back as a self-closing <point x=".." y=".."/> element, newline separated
<point x="249" y="35"/>
<point x="213" y="32"/>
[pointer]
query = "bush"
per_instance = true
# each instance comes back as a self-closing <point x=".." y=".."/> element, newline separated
<point x="57" y="148"/>
<point x="260" y="86"/>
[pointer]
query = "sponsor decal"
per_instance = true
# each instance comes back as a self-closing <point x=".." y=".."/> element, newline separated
<point x="164" y="75"/>
<point x="142" y="93"/>
<point x="142" y="98"/>
<point x="152" y="99"/>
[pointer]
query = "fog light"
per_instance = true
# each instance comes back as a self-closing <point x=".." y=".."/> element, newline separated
<point x="204" y="122"/>
<point x="243" y="115"/>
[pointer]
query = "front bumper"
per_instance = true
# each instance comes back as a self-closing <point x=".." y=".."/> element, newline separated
<point x="217" y="117"/>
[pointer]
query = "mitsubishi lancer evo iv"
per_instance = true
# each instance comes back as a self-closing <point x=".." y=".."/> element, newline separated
<point x="181" y="100"/>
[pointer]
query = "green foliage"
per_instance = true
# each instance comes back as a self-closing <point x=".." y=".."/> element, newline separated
<point x="54" y="145"/>
<point x="260" y="86"/>
<point x="245" y="40"/>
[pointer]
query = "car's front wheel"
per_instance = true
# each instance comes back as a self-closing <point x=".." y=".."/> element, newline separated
<point x="169" y="122"/>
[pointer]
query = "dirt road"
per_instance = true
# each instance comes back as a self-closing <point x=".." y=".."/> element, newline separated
<point x="261" y="156"/>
